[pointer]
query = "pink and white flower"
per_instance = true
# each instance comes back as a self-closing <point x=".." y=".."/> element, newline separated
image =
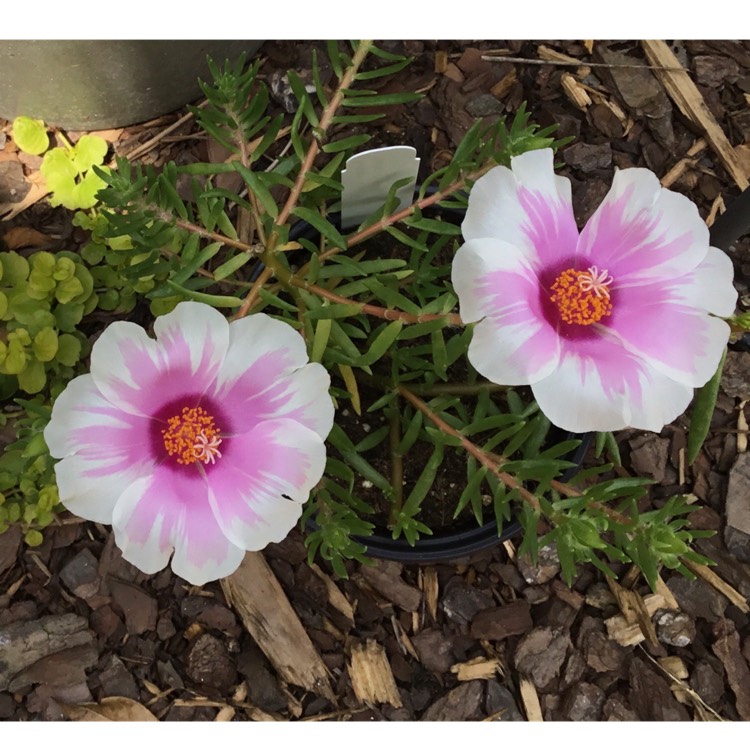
<point x="204" y="442"/>
<point x="611" y="327"/>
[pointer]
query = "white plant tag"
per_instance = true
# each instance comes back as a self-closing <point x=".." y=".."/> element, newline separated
<point x="367" y="178"/>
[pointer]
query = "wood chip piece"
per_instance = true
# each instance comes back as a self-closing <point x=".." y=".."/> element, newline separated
<point x="23" y="644"/>
<point x="530" y="700"/>
<point x="575" y="92"/>
<point x="727" y="648"/>
<point x="476" y="669"/>
<point x="634" y="610"/>
<point x="497" y="623"/>
<point x="629" y="633"/>
<point x="260" y="601"/>
<point x="371" y="675"/>
<point x="335" y="596"/>
<point x="430" y="588"/>
<point x="688" y="98"/>
<point x="385" y="577"/>
<point x="675" y="666"/>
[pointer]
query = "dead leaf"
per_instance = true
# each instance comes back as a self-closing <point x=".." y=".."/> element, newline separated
<point x="19" y="237"/>
<point x="115" y="708"/>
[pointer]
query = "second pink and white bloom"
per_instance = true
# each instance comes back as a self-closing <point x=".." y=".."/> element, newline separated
<point x="611" y="327"/>
<point x="199" y="445"/>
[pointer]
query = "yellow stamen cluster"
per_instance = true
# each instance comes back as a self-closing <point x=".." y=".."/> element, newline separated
<point x="578" y="302"/>
<point x="192" y="436"/>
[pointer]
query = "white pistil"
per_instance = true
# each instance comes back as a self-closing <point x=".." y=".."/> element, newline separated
<point x="207" y="450"/>
<point x="595" y="280"/>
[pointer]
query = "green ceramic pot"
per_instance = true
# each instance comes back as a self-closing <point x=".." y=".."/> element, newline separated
<point x="91" y="85"/>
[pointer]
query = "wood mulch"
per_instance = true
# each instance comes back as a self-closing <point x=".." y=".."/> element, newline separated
<point x="490" y="637"/>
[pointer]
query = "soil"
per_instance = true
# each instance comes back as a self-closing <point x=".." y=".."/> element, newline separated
<point x="488" y="636"/>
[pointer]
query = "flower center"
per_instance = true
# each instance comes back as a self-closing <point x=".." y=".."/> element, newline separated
<point x="192" y="436"/>
<point x="582" y="297"/>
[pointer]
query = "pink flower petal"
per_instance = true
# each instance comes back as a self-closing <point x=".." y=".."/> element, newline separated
<point x="527" y="206"/>
<point x="102" y="449"/>
<point x="263" y="481"/>
<point x="600" y="386"/>
<point x="139" y="374"/>
<point x="266" y="375"/>
<point x="513" y="344"/>
<point x="676" y="339"/>
<point x="170" y="511"/>
<point x="709" y="287"/>
<point x="642" y="232"/>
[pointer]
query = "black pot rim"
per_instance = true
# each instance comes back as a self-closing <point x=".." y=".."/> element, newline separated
<point x="449" y="545"/>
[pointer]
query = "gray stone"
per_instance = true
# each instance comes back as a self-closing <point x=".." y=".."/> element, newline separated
<point x="81" y="575"/>
<point x="484" y="105"/>
<point x="500" y="703"/>
<point x="708" y="682"/>
<point x="546" y="568"/>
<point x="698" y="598"/>
<point x="208" y="663"/>
<point x="575" y="666"/>
<point x="116" y="680"/>
<point x="616" y="710"/>
<point x="463" y="703"/>
<point x="541" y="654"/>
<point x="735" y="379"/>
<point x="737" y="531"/>
<point x="649" y="456"/>
<point x="587" y="157"/>
<point x="461" y="602"/>
<point x="674" y="628"/>
<point x="584" y="702"/>
<point x="435" y="650"/>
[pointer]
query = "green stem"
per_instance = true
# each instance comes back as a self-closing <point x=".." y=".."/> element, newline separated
<point x="397" y="464"/>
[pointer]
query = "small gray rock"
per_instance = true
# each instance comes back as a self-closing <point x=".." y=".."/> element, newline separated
<point x="500" y="703"/>
<point x="435" y="650"/>
<point x="546" y="568"/>
<point x="674" y="628"/>
<point x="463" y="703"/>
<point x="541" y="654"/>
<point x="698" y="598"/>
<point x="461" y="602"/>
<point x="484" y="105"/>
<point x="584" y="702"/>
<point x="737" y="531"/>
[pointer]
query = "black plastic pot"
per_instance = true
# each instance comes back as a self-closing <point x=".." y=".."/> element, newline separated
<point x="466" y="540"/>
<point x="462" y="540"/>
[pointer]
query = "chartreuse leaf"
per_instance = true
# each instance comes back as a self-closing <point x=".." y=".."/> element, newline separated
<point x="68" y="350"/>
<point x="700" y="422"/>
<point x="84" y="193"/>
<point x="32" y="378"/>
<point x="89" y="150"/>
<point x="45" y="345"/>
<point x="58" y="170"/>
<point x="30" y="135"/>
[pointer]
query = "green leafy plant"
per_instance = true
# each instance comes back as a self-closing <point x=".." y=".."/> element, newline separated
<point x="68" y="169"/>
<point x="42" y="300"/>
<point x="28" y="493"/>
<point x="374" y="304"/>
